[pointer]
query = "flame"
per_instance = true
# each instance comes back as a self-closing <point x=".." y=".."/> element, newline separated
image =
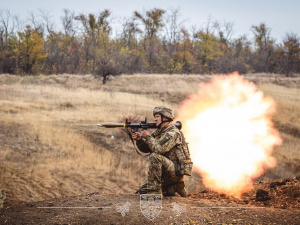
<point x="230" y="133"/>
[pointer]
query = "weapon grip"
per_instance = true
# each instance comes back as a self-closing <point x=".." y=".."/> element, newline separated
<point x="134" y="129"/>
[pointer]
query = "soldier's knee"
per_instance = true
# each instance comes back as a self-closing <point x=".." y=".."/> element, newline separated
<point x="154" y="157"/>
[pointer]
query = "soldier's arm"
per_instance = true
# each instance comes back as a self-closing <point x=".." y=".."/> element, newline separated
<point x="142" y="146"/>
<point x="164" y="144"/>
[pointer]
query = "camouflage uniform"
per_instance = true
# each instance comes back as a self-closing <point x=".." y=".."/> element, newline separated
<point x="164" y="146"/>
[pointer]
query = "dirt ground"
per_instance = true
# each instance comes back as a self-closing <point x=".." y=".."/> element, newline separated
<point x="270" y="202"/>
<point x="33" y="168"/>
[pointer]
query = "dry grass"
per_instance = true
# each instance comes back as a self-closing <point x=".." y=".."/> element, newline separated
<point x="287" y="120"/>
<point x="45" y="150"/>
<point x="48" y="149"/>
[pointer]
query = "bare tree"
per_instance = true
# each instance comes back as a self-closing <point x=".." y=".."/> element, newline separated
<point x="224" y="31"/>
<point x="47" y="20"/>
<point x="108" y="65"/>
<point x="68" y="21"/>
<point x="130" y="30"/>
<point x="35" y="24"/>
<point x="19" y="24"/>
<point x="7" y="25"/>
<point x="173" y="25"/>
<point x="209" y="26"/>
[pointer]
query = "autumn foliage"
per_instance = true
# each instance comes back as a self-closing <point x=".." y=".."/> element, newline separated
<point x="155" y="41"/>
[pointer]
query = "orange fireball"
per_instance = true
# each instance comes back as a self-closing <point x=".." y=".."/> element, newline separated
<point x="230" y="133"/>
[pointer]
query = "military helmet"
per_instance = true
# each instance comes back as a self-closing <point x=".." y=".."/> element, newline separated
<point x="164" y="111"/>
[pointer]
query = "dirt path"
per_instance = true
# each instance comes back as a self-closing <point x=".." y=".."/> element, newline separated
<point x="96" y="208"/>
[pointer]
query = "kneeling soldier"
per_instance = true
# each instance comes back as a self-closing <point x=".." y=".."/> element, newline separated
<point x="168" y="154"/>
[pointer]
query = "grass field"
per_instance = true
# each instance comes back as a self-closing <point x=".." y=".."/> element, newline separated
<point x="50" y="146"/>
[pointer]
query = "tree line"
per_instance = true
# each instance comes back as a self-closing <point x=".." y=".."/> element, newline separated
<point x="154" y="41"/>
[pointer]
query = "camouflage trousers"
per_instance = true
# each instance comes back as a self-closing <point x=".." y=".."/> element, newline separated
<point x="161" y="173"/>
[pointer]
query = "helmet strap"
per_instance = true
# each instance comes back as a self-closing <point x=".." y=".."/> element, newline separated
<point x="162" y="121"/>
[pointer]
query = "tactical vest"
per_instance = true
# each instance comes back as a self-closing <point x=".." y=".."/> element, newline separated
<point x="179" y="154"/>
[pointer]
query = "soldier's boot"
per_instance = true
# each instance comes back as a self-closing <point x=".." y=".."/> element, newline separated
<point x="147" y="193"/>
<point x="173" y="188"/>
<point x="151" y="196"/>
<point x="169" y="190"/>
<point x="145" y="184"/>
<point x="150" y="190"/>
<point x="180" y="189"/>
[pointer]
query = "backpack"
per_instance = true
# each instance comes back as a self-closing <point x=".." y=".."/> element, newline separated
<point x="184" y="165"/>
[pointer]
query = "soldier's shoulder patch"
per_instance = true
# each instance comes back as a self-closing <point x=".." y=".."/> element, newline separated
<point x="164" y="140"/>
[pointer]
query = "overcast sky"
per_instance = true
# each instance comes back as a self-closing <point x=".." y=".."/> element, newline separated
<point x="281" y="16"/>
